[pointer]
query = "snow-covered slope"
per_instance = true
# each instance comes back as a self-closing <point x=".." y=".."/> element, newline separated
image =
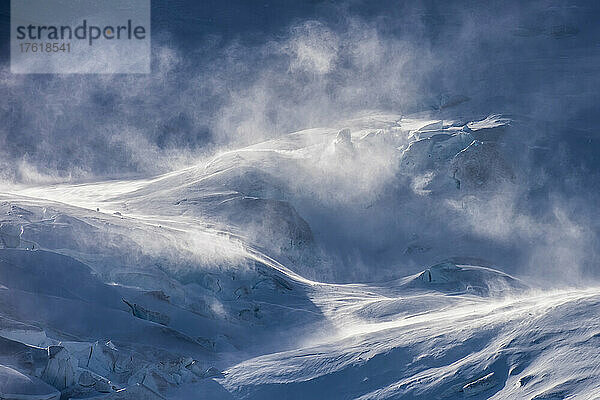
<point x="231" y="278"/>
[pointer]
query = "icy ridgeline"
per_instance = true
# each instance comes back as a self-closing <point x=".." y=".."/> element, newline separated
<point x="192" y="284"/>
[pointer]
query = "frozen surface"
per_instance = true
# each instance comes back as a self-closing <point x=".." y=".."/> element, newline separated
<point x="226" y="279"/>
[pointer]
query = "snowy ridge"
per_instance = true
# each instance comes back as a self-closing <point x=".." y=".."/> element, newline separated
<point x="441" y="354"/>
<point x="216" y="279"/>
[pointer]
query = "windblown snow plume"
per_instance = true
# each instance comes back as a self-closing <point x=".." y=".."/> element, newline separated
<point x="310" y="200"/>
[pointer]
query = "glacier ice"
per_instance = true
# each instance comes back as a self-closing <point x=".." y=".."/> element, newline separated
<point x="206" y="278"/>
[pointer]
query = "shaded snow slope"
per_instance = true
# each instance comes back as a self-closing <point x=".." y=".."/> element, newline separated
<point x="230" y="277"/>
<point x="475" y="348"/>
<point x="16" y="385"/>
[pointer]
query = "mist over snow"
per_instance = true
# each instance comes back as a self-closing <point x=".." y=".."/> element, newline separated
<point x="309" y="199"/>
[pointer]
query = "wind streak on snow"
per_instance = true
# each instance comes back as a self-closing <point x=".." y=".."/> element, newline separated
<point x="435" y="353"/>
<point x="484" y="311"/>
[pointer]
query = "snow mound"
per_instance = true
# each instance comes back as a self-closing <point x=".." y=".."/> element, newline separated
<point x="17" y="386"/>
<point x="450" y="277"/>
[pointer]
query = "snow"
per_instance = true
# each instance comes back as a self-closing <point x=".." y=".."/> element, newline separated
<point x="17" y="386"/>
<point x="223" y="278"/>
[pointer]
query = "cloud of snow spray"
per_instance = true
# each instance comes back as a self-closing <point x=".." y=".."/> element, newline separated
<point x="317" y="74"/>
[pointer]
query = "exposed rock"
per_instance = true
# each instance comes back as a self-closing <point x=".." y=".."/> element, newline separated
<point x="480" y="166"/>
